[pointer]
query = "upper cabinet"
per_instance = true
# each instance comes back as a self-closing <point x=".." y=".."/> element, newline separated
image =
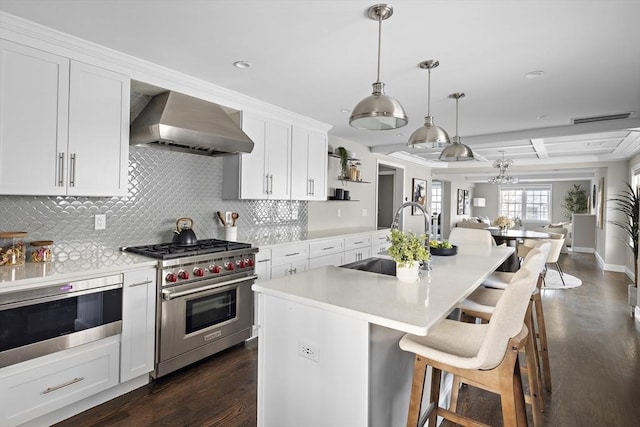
<point x="308" y="164"/>
<point x="265" y="172"/>
<point x="287" y="162"/>
<point x="64" y="125"/>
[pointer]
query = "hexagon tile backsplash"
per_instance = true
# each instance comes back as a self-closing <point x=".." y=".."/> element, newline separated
<point x="163" y="186"/>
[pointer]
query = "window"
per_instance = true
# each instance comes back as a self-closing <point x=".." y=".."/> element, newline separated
<point x="531" y="203"/>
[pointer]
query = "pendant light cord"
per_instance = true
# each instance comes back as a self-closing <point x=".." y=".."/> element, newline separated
<point x="379" y="45"/>
<point x="429" y="93"/>
<point x="457" y="101"/>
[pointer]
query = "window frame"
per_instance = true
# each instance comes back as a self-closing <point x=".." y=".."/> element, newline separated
<point x="525" y="189"/>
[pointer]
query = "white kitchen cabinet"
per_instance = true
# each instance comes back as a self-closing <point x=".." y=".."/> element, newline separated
<point x="265" y="173"/>
<point x="34" y="102"/>
<point x="357" y="254"/>
<point x="263" y="265"/>
<point x="286" y="269"/>
<point x="138" y="323"/>
<point x="326" y="247"/>
<point x="308" y="164"/>
<point x="379" y="242"/>
<point x="39" y="386"/>
<point x="333" y="259"/>
<point x="64" y="125"/>
<point x="289" y="259"/>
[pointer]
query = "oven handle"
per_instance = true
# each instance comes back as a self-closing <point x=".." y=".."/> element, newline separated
<point x="168" y="295"/>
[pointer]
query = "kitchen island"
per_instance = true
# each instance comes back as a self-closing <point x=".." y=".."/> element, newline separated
<point x="328" y="351"/>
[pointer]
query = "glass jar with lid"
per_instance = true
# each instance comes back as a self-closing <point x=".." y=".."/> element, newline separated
<point x="12" y="248"/>
<point x="41" y="251"/>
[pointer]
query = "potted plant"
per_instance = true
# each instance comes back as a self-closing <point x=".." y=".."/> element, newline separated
<point x="628" y="203"/>
<point x="344" y="161"/>
<point x="407" y="250"/>
<point x="576" y="201"/>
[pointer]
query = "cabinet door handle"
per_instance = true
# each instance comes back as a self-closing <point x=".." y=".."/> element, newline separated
<point x="60" y="169"/>
<point x="271" y="180"/>
<point x="72" y="170"/>
<point x="146" y="282"/>
<point x="266" y="184"/>
<point x="313" y="187"/>
<point x="58" y="387"/>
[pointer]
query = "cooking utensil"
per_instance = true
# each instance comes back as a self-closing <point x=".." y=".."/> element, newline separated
<point x="221" y="218"/>
<point x="184" y="235"/>
<point x="234" y="217"/>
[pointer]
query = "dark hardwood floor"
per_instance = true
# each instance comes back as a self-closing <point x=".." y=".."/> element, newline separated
<point x="594" y="347"/>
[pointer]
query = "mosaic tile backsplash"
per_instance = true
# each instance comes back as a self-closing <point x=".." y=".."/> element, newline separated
<point x="163" y="186"/>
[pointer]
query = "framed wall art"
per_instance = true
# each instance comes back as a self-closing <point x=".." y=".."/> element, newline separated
<point x="418" y="195"/>
<point x="463" y="202"/>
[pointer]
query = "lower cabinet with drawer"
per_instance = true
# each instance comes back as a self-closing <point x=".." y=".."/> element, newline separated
<point x="289" y="259"/>
<point x="357" y="254"/>
<point x="39" y="386"/>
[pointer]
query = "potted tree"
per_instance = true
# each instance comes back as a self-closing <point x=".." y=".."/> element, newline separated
<point x="407" y="250"/>
<point x="627" y="202"/>
<point x="576" y="201"/>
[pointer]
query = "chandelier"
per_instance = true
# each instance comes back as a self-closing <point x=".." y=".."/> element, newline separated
<point x="503" y="177"/>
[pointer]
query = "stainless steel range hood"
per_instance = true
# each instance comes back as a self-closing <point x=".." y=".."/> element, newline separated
<point x="178" y="122"/>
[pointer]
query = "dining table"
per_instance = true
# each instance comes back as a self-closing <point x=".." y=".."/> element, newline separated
<point x="512" y="237"/>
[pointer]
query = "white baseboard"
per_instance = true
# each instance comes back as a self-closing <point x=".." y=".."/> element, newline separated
<point x="637" y="314"/>
<point x="583" y="250"/>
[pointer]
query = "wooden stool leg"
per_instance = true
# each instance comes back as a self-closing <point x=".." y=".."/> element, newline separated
<point x="417" y="387"/>
<point x="512" y="398"/>
<point x="436" y="375"/>
<point x="455" y="390"/>
<point x="533" y="378"/>
<point x="542" y="335"/>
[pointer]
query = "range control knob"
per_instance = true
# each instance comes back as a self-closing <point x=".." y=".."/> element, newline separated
<point x="241" y="264"/>
<point x="183" y="275"/>
<point x="250" y="262"/>
<point x="171" y="277"/>
<point x="214" y="269"/>
<point x="198" y="272"/>
<point x="229" y="266"/>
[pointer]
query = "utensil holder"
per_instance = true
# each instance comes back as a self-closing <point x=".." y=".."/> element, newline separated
<point x="231" y="233"/>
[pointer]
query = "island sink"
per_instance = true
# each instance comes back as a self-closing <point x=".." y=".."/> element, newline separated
<point x="374" y="265"/>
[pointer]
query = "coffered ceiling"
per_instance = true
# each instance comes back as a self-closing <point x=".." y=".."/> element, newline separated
<point x="319" y="57"/>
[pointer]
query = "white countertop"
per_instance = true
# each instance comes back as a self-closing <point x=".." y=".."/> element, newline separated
<point x="93" y="264"/>
<point x="271" y="240"/>
<point x="383" y="300"/>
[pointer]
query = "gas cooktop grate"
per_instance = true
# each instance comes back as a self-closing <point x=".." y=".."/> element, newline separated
<point x="171" y="250"/>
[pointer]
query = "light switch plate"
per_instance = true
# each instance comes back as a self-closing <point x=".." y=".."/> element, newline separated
<point x="100" y="222"/>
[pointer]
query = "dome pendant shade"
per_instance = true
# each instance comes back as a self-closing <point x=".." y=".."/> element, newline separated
<point x="378" y="111"/>
<point x="428" y="136"/>
<point x="457" y="151"/>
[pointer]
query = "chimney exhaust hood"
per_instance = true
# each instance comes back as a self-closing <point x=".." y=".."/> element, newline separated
<point x="178" y="122"/>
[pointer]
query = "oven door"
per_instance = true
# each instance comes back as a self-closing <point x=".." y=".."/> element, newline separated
<point x="192" y="317"/>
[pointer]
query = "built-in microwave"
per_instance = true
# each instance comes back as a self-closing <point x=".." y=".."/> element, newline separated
<point x="39" y="321"/>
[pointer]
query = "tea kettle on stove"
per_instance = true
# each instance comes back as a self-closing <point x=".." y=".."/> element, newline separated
<point x="183" y="234"/>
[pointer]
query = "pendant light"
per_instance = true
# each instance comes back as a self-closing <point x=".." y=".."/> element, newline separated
<point x="456" y="151"/>
<point x="429" y="135"/>
<point x="503" y="177"/>
<point x="378" y="111"/>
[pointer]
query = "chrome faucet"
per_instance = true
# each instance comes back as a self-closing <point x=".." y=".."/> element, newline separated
<point x="396" y="222"/>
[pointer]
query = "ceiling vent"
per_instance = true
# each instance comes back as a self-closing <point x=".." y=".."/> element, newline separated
<point x="600" y="118"/>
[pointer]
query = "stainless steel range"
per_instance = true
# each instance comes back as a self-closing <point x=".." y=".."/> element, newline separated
<point x="204" y="303"/>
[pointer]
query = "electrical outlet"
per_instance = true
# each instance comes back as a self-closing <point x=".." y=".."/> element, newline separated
<point x="365" y="212"/>
<point x="339" y="212"/>
<point x="309" y="351"/>
<point x="100" y="222"/>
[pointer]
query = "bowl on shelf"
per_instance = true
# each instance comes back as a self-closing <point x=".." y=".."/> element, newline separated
<point x="444" y="251"/>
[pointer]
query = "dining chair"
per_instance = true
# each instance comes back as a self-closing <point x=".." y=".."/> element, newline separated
<point x="462" y="237"/>
<point x="557" y="242"/>
<point x="485" y="355"/>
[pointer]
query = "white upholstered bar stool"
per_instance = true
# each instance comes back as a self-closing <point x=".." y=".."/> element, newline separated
<point x="462" y="237"/>
<point x="481" y="304"/>
<point x="557" y="242"/>
<point x="483" y="355"/>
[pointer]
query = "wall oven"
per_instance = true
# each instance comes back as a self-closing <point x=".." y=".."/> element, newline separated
<point x="36" y="322"/>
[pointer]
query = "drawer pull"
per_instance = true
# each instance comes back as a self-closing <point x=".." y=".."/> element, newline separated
<point x="358" y="243"/>
<point x="146" y="282"/>
<point x="54" y="388"/>
<point x="264" y="260"/>
<point x="293" y="254"/>
<point x="327" y="248"/>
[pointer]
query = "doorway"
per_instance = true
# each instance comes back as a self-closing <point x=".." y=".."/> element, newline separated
<point x="390" y="190"/>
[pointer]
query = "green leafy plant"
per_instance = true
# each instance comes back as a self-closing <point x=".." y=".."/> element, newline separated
<point x="628" y="203"/>
<point x="344" y="161"/>
<point x="406" y="249"/>
<point x="576" y="201"/>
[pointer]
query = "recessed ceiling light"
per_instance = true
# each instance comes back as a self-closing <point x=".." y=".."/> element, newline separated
<point x="542" y="116"/>
<point x="345" y="110"/>
<point x="399" y="134"/>
<point x="241" y="64"/>
<point x="534" y="74"/>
